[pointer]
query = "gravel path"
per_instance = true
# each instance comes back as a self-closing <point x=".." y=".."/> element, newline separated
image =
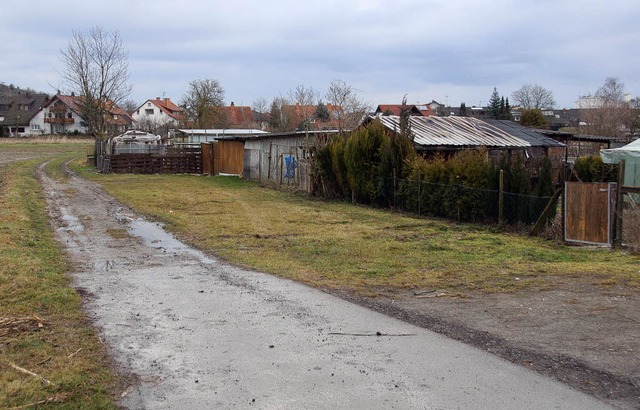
<point x="196" y="333"/>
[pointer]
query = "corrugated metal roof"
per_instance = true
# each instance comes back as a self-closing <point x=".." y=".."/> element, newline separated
<point x="454" y="132"/>
<point x="221" y="131"/>
<point x="536" y="139"/>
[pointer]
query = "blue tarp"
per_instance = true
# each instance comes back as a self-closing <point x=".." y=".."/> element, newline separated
<point x="291" y="163"/>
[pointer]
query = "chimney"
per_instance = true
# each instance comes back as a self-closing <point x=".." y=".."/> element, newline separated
<point x="158" y="98"/>
<point x="166" y="101"/>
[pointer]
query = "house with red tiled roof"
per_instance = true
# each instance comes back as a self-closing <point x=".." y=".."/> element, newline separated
<point x="155" y="115"/>
<point x="62" y="114"/>
<point x="396" y="109"/>
<point x="299" y="116"/>
<point x="238" y="116"/>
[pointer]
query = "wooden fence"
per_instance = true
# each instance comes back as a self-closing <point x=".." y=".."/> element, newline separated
<point x="176" y="160"/>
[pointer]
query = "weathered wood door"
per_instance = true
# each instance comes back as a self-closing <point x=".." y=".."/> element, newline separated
<point x="229" y="157"/>
<point x="207" y="158"/>
<point x="588" y="212"/>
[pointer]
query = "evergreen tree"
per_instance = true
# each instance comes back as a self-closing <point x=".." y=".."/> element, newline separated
<point x="501" y="115"/>
<point x="507" y="109"/>
<point x="463" y="110"/>
<point x="405" y="123"/>
<point x="322" y="113"/>
<point x="275" y="116"/>
<point x="494" y="105"/>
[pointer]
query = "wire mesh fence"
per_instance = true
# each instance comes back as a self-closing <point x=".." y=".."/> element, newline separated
<point x="630" y="235"/>
<point x="469" y="204"/>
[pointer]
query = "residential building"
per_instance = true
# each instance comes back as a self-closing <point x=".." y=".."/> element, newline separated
<point x="18" y="111"/>
<point x="397" y="109"/>
<point x="238" y="116"/>
<point x="159" y="115"/>
<point x="62" y="114"/>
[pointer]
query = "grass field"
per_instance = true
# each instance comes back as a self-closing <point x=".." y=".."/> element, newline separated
<point x="326" y="244"/>
<point x="339" y="245"/>
<point x="43" y="329"/>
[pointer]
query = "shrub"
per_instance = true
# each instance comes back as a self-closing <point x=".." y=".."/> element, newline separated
<point x="533" y="118"/>
<point x="592" y="169"/>
<point x="362" y="161"/>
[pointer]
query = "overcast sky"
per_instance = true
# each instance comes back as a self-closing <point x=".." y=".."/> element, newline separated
<point x="450" y="51"/>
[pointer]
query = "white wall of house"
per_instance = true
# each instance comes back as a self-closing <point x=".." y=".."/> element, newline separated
<point x="37" y="125"/>
<point x="149" y="113"/>
<point x="78" y="124"/>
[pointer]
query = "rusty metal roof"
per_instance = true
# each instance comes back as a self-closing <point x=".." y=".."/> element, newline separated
<point x="455" y="132"/>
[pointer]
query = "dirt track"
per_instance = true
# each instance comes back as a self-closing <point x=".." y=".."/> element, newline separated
<point x="592" y="345"/>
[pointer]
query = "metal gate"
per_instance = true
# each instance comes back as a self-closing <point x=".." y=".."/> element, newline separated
<point x="588" y="216"/>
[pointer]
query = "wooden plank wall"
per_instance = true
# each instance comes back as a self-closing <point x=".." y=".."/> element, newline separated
<point x="176" y="161"/>
<point x="588" y="212"/>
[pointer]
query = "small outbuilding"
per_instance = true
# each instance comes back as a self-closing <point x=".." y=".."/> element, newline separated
<point x="630" y="153"/>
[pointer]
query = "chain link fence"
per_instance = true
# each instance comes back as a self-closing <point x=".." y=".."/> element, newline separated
<point x="468" y="204"/>
<point x="630" y="232"/>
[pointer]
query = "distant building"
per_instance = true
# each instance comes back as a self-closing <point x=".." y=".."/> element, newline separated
<point x="62" y="114"/>
<point x="18" y="109"/>
<point x="397" y="109"/>
<point x="158" y="115"/>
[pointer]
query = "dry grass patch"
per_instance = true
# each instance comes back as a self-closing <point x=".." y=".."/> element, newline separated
<point x="118" y="233"/>
<point x="340" y="245"/>
<point x="43" y="331"/>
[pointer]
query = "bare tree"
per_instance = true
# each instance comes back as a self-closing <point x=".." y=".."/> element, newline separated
<point x="279" y="120"/>
<point x="612" y="93"/>
<point x="97" y="69"/>
<point x="202" y="102"/>
<point x="614" y="115"/>
<point x="261" y="108"/>
<point x="534" y="97"/>
<point x="347" y="106"/>
<point x="129" y="106"/>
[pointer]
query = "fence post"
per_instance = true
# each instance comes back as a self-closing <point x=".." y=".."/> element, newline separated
<point x="501" y="199"/>
<point x="394" y="190"/>
<point x="419" y="196"/>
<point x="540" y="223"/>
<point x="617" y="215"/>
<point x="269" y="169"/>
<point x="458" y="197"/>
<point x="211" y="159"/>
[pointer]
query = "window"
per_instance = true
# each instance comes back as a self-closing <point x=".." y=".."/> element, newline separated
<point x="69" y="115"/>
<point x="149" y="111"/>
<point x="35" y="126"/>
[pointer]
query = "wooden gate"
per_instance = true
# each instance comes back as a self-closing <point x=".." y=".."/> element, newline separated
<point x="223" y="157"/>
<point x="588" y="216"/>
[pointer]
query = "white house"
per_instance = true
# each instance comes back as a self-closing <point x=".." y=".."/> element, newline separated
<point x="62" y="115"/>
<point x="152" y="115"/>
